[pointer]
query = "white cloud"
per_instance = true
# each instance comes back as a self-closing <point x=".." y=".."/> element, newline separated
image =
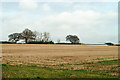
<point x="64" y="27"/>
<point x="28" y="5"/>
<point x="46" y="7"/>
<point x="77" y="17"/>
<point x="86" y="24"/>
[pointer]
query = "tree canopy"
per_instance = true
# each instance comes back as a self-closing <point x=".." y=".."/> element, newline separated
<point x="29" y="36"/>
<point x="72" y="38"/>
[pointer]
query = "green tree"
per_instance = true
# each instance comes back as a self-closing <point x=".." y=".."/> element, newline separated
<point x="28" y="35"/>
<point x="72" y="38"/>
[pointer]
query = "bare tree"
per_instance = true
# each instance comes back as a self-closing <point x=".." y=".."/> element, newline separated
<point x="28" y="35"/>
<point x="46" y="37"/>
<point x="43" y="37"/>
<point x="39" y="36"/>
<point x="72" y="38"/>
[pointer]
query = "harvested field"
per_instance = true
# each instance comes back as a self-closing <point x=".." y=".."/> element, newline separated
<point x="70" y="57"/>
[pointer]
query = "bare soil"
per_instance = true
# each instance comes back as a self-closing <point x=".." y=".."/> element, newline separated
<point x="60" y="56"/>
<point x="56" y="54"/>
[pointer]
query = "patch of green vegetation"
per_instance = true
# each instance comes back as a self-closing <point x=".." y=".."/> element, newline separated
<point x="101" y="66"/>
<point x="61" y="65"/>
<point x="105" y="58"/>
<point x="7" y="62"/>
<point x="32" y="71"/>
<point x="69" y="64"/>
<point x="108" y="62"/>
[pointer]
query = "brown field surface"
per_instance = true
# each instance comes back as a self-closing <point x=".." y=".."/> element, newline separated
<point x="55" y="56"/>
<point x="50" y="54"/>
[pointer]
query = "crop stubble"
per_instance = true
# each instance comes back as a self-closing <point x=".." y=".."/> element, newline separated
<point x="60" y="56"/>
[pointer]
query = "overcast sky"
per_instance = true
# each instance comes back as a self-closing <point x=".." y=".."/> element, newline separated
<point x="92" y="22"/>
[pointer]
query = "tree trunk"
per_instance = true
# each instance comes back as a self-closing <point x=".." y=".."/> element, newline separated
<point x="26" y="40"/>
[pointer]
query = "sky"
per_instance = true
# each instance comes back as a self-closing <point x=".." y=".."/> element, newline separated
<point x="92" y="22"/>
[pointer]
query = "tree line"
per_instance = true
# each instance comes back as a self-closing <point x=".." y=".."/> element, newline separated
<point x="36" y="37"/>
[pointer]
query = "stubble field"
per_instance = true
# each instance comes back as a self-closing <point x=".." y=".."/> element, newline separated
<point x="59" y="61"/>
